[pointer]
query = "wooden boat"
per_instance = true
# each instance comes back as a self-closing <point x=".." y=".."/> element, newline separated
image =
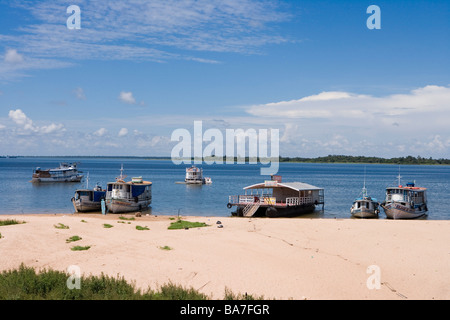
<point x="131" y="196"/>
<point x="273" y="198"/>
<point x="87" y="200"/>
<point x="405" y="202"/>
<point x="66" y="172"/>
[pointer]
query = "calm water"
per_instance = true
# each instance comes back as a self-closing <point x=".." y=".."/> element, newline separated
<point x="342" y="183"/>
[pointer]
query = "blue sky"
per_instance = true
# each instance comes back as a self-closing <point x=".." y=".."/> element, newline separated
<point x="138" y="70"/>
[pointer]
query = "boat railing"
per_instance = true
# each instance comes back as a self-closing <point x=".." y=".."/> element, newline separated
<point x="251" y="199"/>
<point x="295" y="201"/>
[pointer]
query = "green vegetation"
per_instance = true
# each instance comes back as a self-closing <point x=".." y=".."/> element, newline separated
<point x="61" y="226"/>
<point x="182" y="224"/>
<point x="125" y="218"/>
<point x="8" y="222"/>
<point x="73" y="239"/>
<point x="362" y="159"/>
<point x="25" y="283"/>
<point x="166" y="248"/>
<point x="106" y="225"/>
<point x="80" y="248"/>
<point x="142" y="228"/>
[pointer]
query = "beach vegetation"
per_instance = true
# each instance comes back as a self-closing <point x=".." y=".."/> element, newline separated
<point x="107" y="225"/>
<point x="166" y="248"/>
<point x="61" y="226"/>
<point x="142" y="228"/>
<point x="73" y="239"/>
<point x="80" y="248"/>
<point x="125" y="218"/>
<point x="8" y="222"/>
<point x="183" y="224"/>
<point x="25" y="283"/>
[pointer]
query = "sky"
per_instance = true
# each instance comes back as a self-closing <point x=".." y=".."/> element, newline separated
<point x="136" y="71"/>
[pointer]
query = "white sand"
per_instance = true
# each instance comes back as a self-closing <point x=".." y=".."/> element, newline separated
<point x="276" y="258"/>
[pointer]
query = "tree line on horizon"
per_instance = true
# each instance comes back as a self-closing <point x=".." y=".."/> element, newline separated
<point x="364" y="159"/>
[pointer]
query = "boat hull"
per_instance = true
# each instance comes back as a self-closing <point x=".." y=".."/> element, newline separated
<point x="398" y="211"/>
<point x="122" y="206"/>
<point x="86" y="206"/>
<point x="364" y="213"/>
<point x="278" y="212"/>
<point x="54" y="179"/>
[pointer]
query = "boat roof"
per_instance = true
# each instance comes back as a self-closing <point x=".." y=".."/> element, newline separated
<point x="297" y="186"/>
<point x="366" y="199"/>
<point x="408" y="188"/>
<point x="131" y="183"/>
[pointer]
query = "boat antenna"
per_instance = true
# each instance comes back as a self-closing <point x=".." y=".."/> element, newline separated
<point x="364" y="190"/>
<point x="399" y="176"/>
<point x="87" y="180"/>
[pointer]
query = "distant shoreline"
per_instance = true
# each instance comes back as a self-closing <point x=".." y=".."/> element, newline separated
<point x="340" y="159"/>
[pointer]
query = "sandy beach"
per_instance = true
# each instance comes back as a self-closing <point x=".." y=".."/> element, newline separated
<point x="277" y="258"/>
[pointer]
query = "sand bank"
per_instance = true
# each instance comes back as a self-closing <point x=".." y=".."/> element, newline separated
<point x="276" y="258"/>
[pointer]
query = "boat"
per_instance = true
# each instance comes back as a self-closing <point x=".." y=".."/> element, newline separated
<point x="365" y="206"/>
<point x="131" y="196"/>
<point x="405" y="202"/>
<point x="194" y="175"/>
<point x="87" y="200"/>
<point x="274" y="198"/>
<point x="66" y="172"/>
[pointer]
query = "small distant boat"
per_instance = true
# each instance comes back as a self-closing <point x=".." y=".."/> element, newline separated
<point x="405" y="202"/>
<point x="87" y="200"/>
<point x="66" y="172"/>
<point x="194" y="175"/>
<point x="131" y="196"/>
<point x="274" y="198"/>
<point x="365" y="206"/>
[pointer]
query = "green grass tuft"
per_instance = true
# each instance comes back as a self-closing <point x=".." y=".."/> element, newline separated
<point x="142" y="228"/>
<point x="80" y="248"/>
<point x="106" y="225"/>
<point x="73" y="239"/>
<point x="61" y="226"/>
<point x="182" y="224"/>
<point x="9" y="222"/>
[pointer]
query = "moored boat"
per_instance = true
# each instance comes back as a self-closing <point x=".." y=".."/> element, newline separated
<point x="87" y="200"/>
<point x="194" y="175"/>
<point x="365" y="206"/>
<point x="274" y="198"/>
<point x="131" y="196"/>
<point x="405" y="202"/>
<point x="66" y="172"/>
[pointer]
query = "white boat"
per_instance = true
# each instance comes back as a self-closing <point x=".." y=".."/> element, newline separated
<point x="405" y="202"/>
<point x="66" y="172"/>
<point x="86" y="200"/>
<point x="274" y="198"/>
<point x="131" y="196"/>
<point x="194" y="175"/>
<point x="365" y="206"/>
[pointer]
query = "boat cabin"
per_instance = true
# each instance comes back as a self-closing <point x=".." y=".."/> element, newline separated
<point x="281" y="196"/>
<point x="408" y="194"/>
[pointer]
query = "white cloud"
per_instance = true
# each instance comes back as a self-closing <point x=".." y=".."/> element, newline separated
<point x="79" y="93"/>
<point x="26" y="124"/>
<point x="12" y="56"/>
<point x="145" y="30"/>
<point x="123" y="132"/>
<point x="100" y="132"/>
<point x="127" y="97"/>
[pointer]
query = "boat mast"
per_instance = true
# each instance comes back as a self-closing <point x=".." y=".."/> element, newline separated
<point x="399" y="177"/>
<point x="364" y="190"/>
